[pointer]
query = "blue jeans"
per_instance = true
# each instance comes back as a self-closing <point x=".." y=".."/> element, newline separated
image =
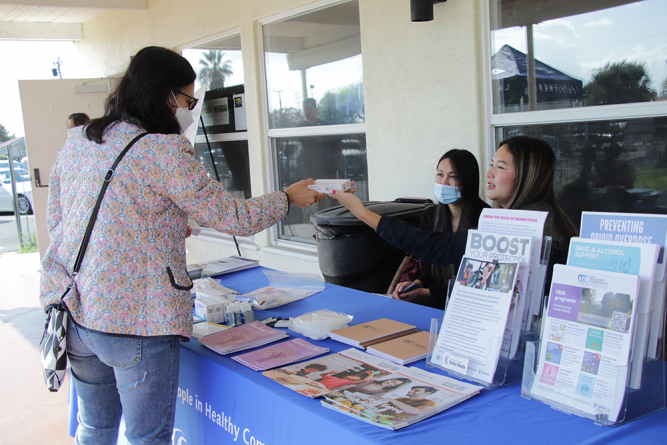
<point x="136" y="377"/>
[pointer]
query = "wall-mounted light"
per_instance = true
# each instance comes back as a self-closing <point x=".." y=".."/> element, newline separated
<point x="422" y="10"/>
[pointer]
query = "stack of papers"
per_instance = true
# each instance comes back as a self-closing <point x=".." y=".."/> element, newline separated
<point x="242" y="337"/>
<point x="366" y="334"/>
<point x="402" y="350"/>
<point x="322" y="375"/>
<point x="280" y="355"/>
<point x="401" y="398"/>
<point x="205" y="328"/>
<point x="224" y="265"/>
<point x="585" y="350"/>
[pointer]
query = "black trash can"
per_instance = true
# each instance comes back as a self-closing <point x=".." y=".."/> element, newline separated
<point x="351" y="254"/>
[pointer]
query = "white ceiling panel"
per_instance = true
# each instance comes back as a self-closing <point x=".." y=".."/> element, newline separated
<point x="65" y="12"/>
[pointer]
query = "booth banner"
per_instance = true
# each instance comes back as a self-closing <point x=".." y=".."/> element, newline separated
<point x="208" y="410"/>
<point x="226" y="403"/>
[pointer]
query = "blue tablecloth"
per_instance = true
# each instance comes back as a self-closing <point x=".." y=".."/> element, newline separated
<point x="222" y="401"/>
<point x="254" y="410"/>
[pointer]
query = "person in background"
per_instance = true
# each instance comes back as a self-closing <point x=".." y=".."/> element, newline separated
<point x="310" y="113"/>
<point x="520" y="177"/>
<point x="77" y="119"/>
<point x="458" y="208"/>
<point x="130" y="304"/>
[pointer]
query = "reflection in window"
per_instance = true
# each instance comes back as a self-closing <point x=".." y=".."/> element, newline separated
<point x="218" y="64"/>
<point x="313" y="68"/>
<point x="330" y="157"/>
<point x="571" y="53"/>
<point x="606" y="166"/>
<point x="231" y="167"/>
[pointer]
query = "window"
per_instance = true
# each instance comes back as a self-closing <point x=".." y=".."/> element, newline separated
<point x="219" y="69"/>
<point x="315" y="103"/>
<point x="569" y="53"/>
<point x="606" y="166"/>
<point x="589" y="78"/>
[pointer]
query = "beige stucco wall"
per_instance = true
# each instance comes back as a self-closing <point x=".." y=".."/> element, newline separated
<point x="421" y="81"/>
<point x="423" y="92"/>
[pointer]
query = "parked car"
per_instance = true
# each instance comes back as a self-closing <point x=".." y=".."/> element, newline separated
<point x="23" y="191"/>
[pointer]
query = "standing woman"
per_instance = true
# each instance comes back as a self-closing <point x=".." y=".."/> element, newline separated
<point x="521" y="177"/>
<point x="459" y="206"/>
<point x="130" y="304"/>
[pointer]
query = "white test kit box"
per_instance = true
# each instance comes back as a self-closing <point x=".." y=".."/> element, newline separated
<point x="329" y="185"/>
<point x="210" y="309"/>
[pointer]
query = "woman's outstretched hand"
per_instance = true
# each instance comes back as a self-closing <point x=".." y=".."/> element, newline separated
<point x="301" y="196"/>
<point x="354" y="205"/>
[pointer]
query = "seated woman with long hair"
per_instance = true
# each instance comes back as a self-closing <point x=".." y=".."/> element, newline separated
<point x="520" y="177"/>
<point x="458" y="208"/>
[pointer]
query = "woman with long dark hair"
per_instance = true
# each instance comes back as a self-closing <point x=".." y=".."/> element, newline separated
<point x="130" y="305"/>
<point x="458" y="208"/>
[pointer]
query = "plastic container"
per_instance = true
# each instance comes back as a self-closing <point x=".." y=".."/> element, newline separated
<point x="351" y="254"/>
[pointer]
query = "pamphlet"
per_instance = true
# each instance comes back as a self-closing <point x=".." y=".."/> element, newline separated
<point x="636" y="228"/>
<point x="215" y="112"/>
<point x="473" y="329"/>
<point x="225" y="265"/>
<point x="348" y="368"/>
<point x="403" y="350"/>
<point x="401" y="398"/>
<point x="242" y="337"/>
<point x="522" y="223"/>
<point x="629" y="258"/>
<point x="365" y="334"/>
<point x="205" y="328"/>
<point x="583" y="358"/>
<point x="280" y="354"/>
<point x="240" y="121"/>
<point x="491" y="246"/>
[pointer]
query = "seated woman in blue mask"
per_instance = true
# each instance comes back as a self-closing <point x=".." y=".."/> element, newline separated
<point x="458" y="208"/>
<point x="520" y="177"/>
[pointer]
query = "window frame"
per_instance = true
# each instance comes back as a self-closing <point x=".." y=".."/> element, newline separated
<point x="558" y="116"/>
<point x="271" y="134"/>
<point x="208" y="234"/>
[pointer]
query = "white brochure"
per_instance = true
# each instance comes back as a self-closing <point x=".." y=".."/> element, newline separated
<point x="473" y="328"/>
<point x="490" y="246"/>
<point x="522" y="223"/>
<point x="629" y="258"/>
<point x="636" y="228"/>
<point x="583" y="358"/>
<point x="216" y="112"/>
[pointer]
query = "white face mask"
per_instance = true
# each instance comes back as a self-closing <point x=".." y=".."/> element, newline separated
<point x="184" y="116"/>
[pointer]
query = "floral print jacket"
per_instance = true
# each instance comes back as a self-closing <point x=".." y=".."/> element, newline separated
<point x="133" y="278"/>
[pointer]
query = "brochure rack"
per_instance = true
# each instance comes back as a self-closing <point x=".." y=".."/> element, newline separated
<point x="509" y="369"/>
<point x="531" y="327"/>
<point x="634" y="403"/>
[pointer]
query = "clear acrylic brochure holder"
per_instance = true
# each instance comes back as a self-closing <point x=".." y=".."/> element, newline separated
<point x="632" y="403"/>
<point x="510" y="366"/>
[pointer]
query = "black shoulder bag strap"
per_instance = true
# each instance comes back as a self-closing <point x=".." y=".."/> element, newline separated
<point x="93" y="217"/>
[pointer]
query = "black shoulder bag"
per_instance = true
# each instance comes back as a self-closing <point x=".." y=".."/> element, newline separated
<point x="54" y="339"/>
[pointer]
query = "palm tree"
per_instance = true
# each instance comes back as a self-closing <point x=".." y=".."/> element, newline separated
<point x="214" y="70"/>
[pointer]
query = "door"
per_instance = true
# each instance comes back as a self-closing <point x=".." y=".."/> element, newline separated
<point x="46" y="106"/>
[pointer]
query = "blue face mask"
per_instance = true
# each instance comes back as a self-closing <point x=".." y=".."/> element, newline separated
<point x="447" y="194"/>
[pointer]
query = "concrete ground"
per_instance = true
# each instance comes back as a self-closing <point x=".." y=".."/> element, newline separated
<point x="29" y="414"/>
<point x="9" y="240"/>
